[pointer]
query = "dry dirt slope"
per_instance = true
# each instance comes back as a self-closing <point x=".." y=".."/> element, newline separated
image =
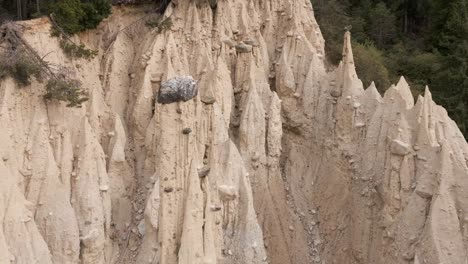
<point x="287" y="163"/>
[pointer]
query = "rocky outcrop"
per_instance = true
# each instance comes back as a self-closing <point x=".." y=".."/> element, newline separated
<point x="178" y="89"/>
<point x="276" y="159"/>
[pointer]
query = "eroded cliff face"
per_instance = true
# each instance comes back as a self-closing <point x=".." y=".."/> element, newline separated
<point x="284" y="162"/>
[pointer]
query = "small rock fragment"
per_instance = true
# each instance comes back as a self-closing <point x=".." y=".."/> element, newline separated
<point x="89" y="238"/>
<point x="251" y="42"/>
<point x="335" y="93"/>
<point x="227" y="192"/>
<point x="255" y="157"/>
<point x="187" y="131"/>
<point x="208" y="99"/>
<point x="168" y="189"/>
<point x="231" y="43"/>
<point x="155" y="79"/>
<point x="424" y="193"/>
<point x="359" y="125"/>
<point x="141" y="227"/>
<point x="399" y="148"/>
<point x="425" y="187"/>
<point x="203" y="172"/>
<point x="243" y="48"/>
<point x="215" y="208"/>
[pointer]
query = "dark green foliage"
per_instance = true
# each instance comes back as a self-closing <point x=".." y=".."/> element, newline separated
<point x="332" y="26"/>
<point x="94" y="13"/>
<point x="74" y="16"/>
<point x="17" y="65"/>
<point x="68" y="15"/>
<point x="424" y="40"/>
<point x="420" y="67"/>
<point x="66" y="90"/>
<point x="370" y="63"/>
<point x="77" y="51"/>
<point x="381" y="27"/>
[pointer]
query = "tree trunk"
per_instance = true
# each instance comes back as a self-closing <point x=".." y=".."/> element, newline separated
<point x="24" y="9"/>
<point x="19" y="13"/>
<point x="405" y="19"/>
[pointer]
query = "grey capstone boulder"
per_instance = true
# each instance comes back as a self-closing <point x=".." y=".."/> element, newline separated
<point x="177" y="89"/>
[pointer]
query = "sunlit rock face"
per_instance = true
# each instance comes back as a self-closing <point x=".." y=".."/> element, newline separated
<point x="276" y="159"/>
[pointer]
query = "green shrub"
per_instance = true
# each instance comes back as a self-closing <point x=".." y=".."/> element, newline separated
<point x="74" y="16"/>
<point x="370" y="66"/>
<point x="66" y="90"/>
<point x="68" y="15"/>
<point x="94" y="13"/>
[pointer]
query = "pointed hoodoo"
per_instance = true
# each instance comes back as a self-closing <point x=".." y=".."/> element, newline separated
<point x="348" y="81"/>
<point x="427" y="94"/>
<point x="349" y="68"/>
<point x="427" y="135"/>
<point x="372" y="89"/>
<point x="405" y="92"/>
<point x="348" y="58"/>
<point x="372" y="92"/>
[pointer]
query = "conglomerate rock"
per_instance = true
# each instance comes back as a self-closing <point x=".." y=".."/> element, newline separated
<point x="286" y="161"/>
<point x="177" y="89"/>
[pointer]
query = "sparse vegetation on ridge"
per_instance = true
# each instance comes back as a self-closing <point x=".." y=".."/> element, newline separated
<point x="70" y="48"/>
<point x="77" y="50"/>
<point x="65" y="89"/>
<point x="160" y="23"/>
<point x="19" y="61"/>
<point x="15" y="63"/>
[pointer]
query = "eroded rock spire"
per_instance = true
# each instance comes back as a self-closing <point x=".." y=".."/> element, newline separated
<point x="348" y="81"/>
<point x="276" y="160"/>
